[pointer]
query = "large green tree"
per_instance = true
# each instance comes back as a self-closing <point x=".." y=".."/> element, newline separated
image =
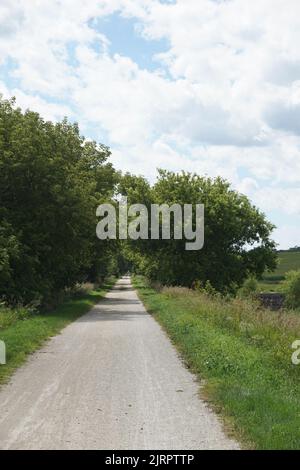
<point x="237" y="235"/>
<point x="52" y="180"/>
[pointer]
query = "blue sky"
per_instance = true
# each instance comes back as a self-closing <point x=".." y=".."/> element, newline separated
<point x="178" y="85"/>
<point x="125" y="39"/>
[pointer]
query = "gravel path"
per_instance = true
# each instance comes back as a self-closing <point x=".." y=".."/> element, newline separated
<point x="110" y="380"/>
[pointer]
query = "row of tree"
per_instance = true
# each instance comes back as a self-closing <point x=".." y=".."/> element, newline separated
<point x="237" y="241"/>
<point x="52" y="180"/>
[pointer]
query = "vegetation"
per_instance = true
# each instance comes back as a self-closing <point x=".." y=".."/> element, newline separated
<point x="244" y="354"/>
<point x="232" y="225"/>
<point x="24" y="331"/>
<point x="287" y="261"/>
<point x="249" y="288"/>
<point x="9" y="316"/>
<point x="292" y="289"/>
<point x="52" y="180"/>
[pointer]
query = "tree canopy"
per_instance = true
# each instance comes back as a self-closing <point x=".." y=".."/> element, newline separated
<point x="53" y="179"/>
<point x="237" y="235"/>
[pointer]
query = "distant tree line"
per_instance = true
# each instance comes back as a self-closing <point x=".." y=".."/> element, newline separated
<point x="53" y="179"/>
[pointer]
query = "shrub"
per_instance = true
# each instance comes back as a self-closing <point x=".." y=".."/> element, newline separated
<point x="292" y="289"/>
<point x="249" y="288"/>
<point x="8" y="316"/>
<point x="204" y="288"/>
<point x="210" y="290"/>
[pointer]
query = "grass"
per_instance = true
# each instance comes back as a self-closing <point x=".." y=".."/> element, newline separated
<point x="244" y="354"/>
<point x="287" y="261"/>
<point x="9" y="316"/>
<point x="267" y="285"/>
<point x="24" y="332"/>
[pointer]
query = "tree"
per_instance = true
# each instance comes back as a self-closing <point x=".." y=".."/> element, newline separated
<point x="52" y="180"/>
<point x="237" y="235"/>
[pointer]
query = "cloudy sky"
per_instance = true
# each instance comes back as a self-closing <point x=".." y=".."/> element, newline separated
<point x="211" y="86"/>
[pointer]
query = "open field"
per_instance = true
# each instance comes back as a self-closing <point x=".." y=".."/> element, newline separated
<point x="24" y="333"/>
<point x="244" y="355"/>
<point x="288" y="261"/>
<point x="266" y="285"/>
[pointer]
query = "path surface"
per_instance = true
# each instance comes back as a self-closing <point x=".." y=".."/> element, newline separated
<point x="110" y="380"/>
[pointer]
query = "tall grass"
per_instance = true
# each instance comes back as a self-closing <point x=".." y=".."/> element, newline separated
<point x="8" y="316"/>
<point x="244" y="353"/>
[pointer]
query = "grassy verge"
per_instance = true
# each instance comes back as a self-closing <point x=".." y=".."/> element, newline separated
<point x="25" y="333"/>
<point x="244" y="353"/>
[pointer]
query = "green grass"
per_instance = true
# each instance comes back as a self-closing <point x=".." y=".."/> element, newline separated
<point x="9" y="316"/>
<point x="271" y="286"/>
<point x="25" y="333"/>
<point x="244" y="354"/>
<point x="287" y="261"/>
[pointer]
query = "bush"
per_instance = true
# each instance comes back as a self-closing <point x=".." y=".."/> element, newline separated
<point x="8" y="316"/>
<point x="205" y="288"/>
<point x="292" y="289"/>
<point x="249" y="289"/>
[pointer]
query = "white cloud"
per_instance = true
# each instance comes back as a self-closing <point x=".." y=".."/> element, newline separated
<point x="49" y="111"/>
<point x="286" y="200"/>
<point x="287" y="236"/>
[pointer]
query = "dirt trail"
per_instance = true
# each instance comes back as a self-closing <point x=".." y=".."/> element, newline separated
<point x="110" y="380"/>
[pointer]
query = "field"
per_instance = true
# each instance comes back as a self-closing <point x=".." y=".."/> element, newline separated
<point x="242" y="355"/>
<point x="287" y="261"/>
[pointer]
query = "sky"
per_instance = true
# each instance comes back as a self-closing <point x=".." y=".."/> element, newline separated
<point x="206" y="86"/>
